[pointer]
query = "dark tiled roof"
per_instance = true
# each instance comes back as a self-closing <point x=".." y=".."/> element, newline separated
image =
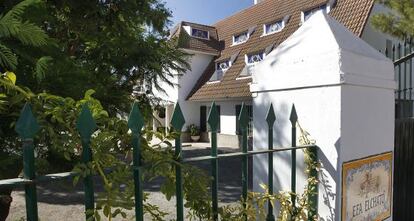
<point x="352" y="13"/>
<point x="186" y="41"/>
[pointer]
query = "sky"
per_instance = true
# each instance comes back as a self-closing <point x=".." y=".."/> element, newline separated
<point x="205" y="12"/>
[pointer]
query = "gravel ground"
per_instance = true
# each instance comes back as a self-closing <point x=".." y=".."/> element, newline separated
<point x="62" y="201"/>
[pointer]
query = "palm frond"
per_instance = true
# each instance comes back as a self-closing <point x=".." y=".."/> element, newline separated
<point x="18" y="9"/>
<point x="8" y="60"/>
<point x="41" y="67"/>
<point x="9" y="27"/>
<point x="30" y="34"/>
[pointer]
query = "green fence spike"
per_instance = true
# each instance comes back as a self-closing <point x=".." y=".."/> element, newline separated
<point x="213" y="120"/>
<point x="136" y="120"/>
<point x="270" y="117"/>
<point x="86" y="124"/>
<point x="243" y="117"/>
<point x="136" y="123"/>
<point x="177" y="120"/>
<point x="213" y="117"/>
<point x="26" y="125"/>
<point x="293" y="119"/>
<point x="293" y="116"/>
<point x="243" y="122"/>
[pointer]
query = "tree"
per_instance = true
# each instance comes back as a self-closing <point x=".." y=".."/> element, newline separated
<point x="60" y="49"/>
<point x="110" y="46"/>
<point x="399" y="22"/>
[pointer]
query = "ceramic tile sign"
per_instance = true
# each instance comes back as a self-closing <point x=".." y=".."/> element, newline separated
<point x="367" y="188"/>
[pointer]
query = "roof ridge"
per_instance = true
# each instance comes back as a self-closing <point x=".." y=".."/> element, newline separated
<point x="238" y="12"/>
<point x="197" y="24"/>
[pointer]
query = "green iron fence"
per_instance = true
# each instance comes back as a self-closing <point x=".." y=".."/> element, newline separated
<point x="402" y="55"/>
<point x="27" y="128"/>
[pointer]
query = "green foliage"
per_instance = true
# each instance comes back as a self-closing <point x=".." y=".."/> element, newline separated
<point x="13" y="27"/>
<point x="193" y="129"/>
<point x="399" y="22"/>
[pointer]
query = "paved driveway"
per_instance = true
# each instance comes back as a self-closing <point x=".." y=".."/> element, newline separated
<point x="61" y="201"/>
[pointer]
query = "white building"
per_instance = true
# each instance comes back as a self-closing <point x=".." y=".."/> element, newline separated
<point x="224" y="55"/>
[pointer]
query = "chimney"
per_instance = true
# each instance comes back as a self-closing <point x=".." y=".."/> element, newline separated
<point x="257" y="1"/>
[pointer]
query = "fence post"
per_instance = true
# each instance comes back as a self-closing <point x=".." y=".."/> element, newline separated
<point x="177" y="121"/>
<point x="135" y="123"/>
<point x="313" y="187"/>
<point x="270" y="119"/>
<point x="27" y="127"/>
<point x="243" y="122"/>
<point x="411" y="79"/>
<point x="400" y="106"/>
<point x="213" y="119"/>
<point x="86" y="126"/>
<point x="293" y="119"/>
<point x="405" y="81"/>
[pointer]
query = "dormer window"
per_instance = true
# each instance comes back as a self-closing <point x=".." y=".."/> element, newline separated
<point x="221" y="68"/>
<point x="252" y="60"/>
<point x="307" y="14"/>
<point x="198" y="33"/>
<point x="273" y="27"/>
<point x="240" y="38"/>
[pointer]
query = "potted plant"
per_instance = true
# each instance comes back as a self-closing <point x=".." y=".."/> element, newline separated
<point x="194" y="132"/>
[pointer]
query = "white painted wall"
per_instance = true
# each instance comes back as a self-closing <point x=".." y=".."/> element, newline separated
<point x="227" y="114"/>
<point x="343" y="92"/>
<point x="185" y="83"/>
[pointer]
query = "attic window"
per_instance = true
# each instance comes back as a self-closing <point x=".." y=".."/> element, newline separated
<point x="223" y="65"/>
<point x="273" y="27"/>
<point x="254" y="58"/>
<point x="240" y="38"/>
<point x="307" y="14"/>
<point x="198" y="33"/>
<point x="251" y="61"/>
<point x="221" y="68"/>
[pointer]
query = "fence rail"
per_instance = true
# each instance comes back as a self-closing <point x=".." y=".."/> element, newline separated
<point x="27" y="128"/>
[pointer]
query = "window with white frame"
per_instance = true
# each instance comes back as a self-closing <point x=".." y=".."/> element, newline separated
<point x="252" y="60"/>
<point x="240" y="38"/>
<point x="307" y="14"/>
<point x="273" y="27"/>
<point x="221" y="68"/>
<point x="198" y="33"/>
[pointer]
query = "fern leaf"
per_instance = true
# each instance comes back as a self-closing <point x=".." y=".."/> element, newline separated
<point x="9" y="27"/>
<point x="18" y="9"/>
<point x="41" y="67"/>
<point x="30" y="34"/>
<point x="8" y="60"/>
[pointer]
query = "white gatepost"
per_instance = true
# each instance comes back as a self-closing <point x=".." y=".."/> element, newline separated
<point x="343" y="91"/>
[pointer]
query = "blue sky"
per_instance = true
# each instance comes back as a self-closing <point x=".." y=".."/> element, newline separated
<point x="205" y="11"/>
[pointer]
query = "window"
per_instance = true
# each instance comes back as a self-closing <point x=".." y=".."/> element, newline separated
<point x="252" y="60"/>
<point x="199" y="33"/>
<point x="307" y="14"/>
<point x="273" y="27"/>
<point x="221" y="68"/>
<point x="240" y="38"/>
<point x="223" y="65"/>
